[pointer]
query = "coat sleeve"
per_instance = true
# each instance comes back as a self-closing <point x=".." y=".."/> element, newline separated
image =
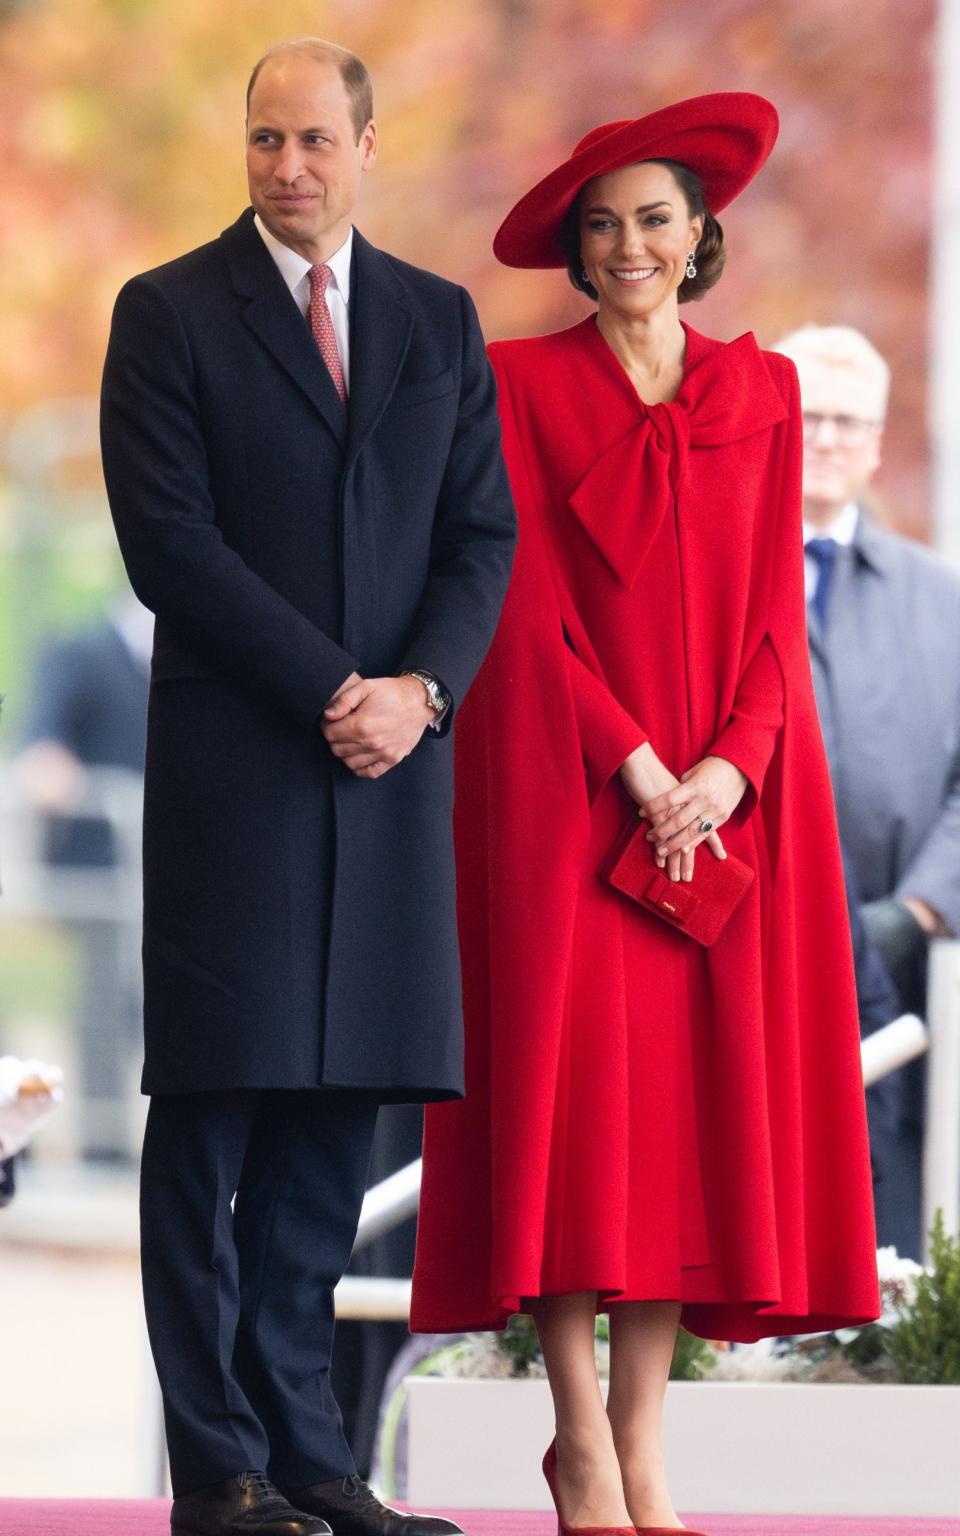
<point x="607" y="732"/>
<point x="474" y="535"/>
<point x="933" y="876"/>
<point x="750" y="736"/>
<point x="155" y="465"/>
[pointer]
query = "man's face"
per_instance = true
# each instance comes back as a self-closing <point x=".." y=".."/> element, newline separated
<point x="842" y="431"/>
<point x="304" y="165"/>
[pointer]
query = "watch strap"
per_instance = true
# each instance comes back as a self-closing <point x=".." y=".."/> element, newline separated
<point x="437" y="696"/>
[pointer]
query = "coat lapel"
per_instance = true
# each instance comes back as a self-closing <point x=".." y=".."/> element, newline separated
<point x="273" y="316"/>
<point x="380" y="329"/>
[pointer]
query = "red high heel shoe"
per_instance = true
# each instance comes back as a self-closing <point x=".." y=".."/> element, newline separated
<point x="550" y="1473"/>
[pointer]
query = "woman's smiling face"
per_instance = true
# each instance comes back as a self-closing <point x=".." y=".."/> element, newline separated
<point x="636" y="234"/>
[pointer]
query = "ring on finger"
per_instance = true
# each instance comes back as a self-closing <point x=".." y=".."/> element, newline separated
<point x="705" y="824"/>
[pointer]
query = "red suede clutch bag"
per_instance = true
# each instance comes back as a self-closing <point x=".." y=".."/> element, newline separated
<point x="698" y="907"/>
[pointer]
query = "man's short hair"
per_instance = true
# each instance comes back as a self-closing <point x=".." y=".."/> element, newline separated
<point x="839" y="346"/>
<point x="353" y="73"/>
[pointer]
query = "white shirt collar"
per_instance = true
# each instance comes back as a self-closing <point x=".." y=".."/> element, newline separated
<point x="294" y="267"/>
<point x="842" y="529"/>
<point x="339" y="264"/>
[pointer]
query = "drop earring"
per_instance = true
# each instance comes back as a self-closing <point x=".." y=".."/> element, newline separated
<point x="691" y="264"/>
<point x="583" y="274"/>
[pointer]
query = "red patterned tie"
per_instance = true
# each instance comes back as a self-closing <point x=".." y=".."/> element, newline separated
<point x="322" y="327"/>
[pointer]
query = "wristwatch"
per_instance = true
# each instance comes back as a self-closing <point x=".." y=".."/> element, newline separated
<point x="437" y="696"/>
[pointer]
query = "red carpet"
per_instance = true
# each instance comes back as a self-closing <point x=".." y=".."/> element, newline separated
<point x="150" y="1517"/>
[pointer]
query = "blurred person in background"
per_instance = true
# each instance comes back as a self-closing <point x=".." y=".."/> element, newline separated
<point x="883" y="619"/>
<point x="642" y="1133"/>
<point x="302" y="456"/>
<point x="878" y="1003"/>
<point x="89" y="712"/>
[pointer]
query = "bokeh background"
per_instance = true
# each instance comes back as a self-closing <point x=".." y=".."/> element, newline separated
<point x="121" y="146"/>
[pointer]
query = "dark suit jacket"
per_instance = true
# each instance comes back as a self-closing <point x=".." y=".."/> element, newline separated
<point x="90" y="696"/>
<point x="299" y="922"/>
<point x="888" y="695"/>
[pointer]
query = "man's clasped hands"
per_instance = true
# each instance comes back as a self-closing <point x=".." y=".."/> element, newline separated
<point x="373" y="723"/>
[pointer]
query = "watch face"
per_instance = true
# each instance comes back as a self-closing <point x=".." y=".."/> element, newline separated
<point x="439" y="698"/>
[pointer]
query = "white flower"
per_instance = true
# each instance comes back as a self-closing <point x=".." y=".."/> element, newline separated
<point x="898" y="1283"/>
<point x="890" y="1267"/>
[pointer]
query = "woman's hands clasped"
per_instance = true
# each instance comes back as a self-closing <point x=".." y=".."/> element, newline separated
<point x="709" y="791"/>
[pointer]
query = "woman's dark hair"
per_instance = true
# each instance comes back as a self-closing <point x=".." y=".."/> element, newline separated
<point x="710" y="255"/>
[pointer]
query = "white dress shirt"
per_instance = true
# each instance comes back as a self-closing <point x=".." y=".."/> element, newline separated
<point x="842" y="529"/>
<point x="294" y="269"/>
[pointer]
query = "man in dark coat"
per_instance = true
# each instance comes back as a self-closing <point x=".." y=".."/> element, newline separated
<point x="303" y="461"/>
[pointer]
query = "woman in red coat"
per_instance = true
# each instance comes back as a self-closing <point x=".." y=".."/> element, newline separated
<point x="654" y="1128"/>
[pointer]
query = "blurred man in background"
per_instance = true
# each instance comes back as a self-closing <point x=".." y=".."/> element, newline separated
<point x="90" y="712"/>
<point x="884" y="627"/>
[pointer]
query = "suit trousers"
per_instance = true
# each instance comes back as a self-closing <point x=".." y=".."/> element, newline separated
<point x="239" y="1302"/>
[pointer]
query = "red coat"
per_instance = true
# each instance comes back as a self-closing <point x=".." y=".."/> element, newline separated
<point x="644" y="1117"/>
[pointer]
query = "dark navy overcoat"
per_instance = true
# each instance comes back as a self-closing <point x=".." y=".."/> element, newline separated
<point x="299" y="922"/>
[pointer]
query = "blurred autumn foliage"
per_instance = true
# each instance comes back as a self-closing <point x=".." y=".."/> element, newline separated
<point x="122" y="142"/>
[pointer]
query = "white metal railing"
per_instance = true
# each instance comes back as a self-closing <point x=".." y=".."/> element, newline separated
<point x="389" y="1203"/>
<point x="898" y="1042"/>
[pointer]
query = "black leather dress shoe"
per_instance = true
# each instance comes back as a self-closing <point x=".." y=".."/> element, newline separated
<point x="353" y="1509"/>
<point x="242" y="1506"/>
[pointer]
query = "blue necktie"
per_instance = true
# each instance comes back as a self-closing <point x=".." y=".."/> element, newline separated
<point x="824" y="552"/>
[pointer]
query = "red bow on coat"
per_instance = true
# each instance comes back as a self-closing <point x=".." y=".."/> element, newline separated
<point x="709" y="410"/>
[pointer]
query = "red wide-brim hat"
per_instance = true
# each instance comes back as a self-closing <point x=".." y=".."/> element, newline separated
<point x="725" y="138"/>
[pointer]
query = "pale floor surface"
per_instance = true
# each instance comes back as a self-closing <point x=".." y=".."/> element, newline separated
<point x="74" y="1374"/>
